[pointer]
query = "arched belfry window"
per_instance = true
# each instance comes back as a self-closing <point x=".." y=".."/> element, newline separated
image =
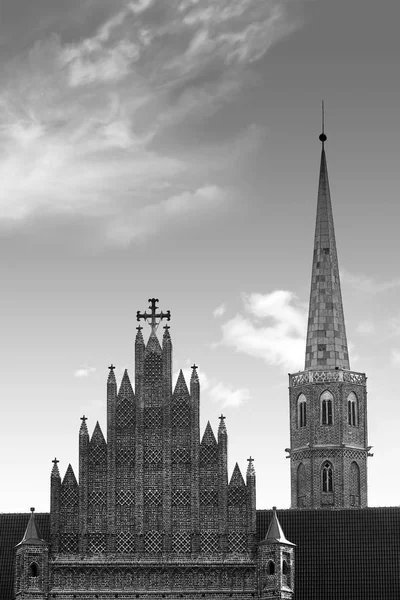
<point x="352" y="409"/>
<point x="327" y="477"/>
<point x="326" y="408"/>
<point x="271" y="568"/>
<point x="355" y="488"/>
<point x="301" y="411"/>
<point x="33" y="570"/>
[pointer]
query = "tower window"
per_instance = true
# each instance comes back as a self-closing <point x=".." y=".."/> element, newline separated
<point x="326" y="408"/>
<point x="327" y="478"/>
<point x="33" y="570"/>
<point x="352" y="409"/>
<point x="285" y="568"/>
<point x="271" y="568"/>
<point x="301" y="411"/>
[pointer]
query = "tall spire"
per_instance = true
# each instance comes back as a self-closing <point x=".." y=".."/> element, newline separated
<point x="326" y="346"/>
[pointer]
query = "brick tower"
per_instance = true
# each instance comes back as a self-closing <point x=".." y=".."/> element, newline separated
<point x="31" y="564"/>
<point x="328" y="402"/>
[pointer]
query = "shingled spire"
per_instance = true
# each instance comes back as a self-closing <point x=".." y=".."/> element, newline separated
<point x="326" y="334"/>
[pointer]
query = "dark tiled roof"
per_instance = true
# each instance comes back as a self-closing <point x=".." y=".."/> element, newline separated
<point x="12" y="530"/>
<point x="340" y="555"/>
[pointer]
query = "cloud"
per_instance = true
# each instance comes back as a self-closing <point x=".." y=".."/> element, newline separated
<point x="219" y="311"/>
<point x="84" y="371"/>
<point x="149" y="219"/>
<point x="228" y="396"/>
<point x="81" y="122"/>
<point x="219" y="392"/>
<point x="366" y="327"/>
<point x="273" y="328"/>
<point x="395" y="357"/>
<point x="368" y="285"/>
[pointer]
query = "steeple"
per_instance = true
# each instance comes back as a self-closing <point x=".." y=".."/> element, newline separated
<point x="32" y="534"/>
<point x="326" y="346"/>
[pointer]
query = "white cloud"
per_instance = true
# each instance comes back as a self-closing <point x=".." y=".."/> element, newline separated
<point x="78" y="122"/>
<point x="366" y="327"/>
<point x="368" y="285"/>
<point x="229" y="396"/>
<point x="281" y="340"/>
<point x="219" y="311"/>
<point x="395" y="357"/>
<point x="84" y="371"/>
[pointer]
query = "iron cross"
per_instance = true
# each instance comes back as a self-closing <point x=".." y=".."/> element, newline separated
<point x="153" y="315"/>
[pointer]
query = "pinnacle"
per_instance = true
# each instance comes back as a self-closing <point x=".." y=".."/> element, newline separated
<point x="153" y="345"/>
<point x="181" y="388"/>
<point x="237" y="478"/>
<point x="194" y="378"/>
<point x="251" y="472"/>
<point x="222" y="426"/>
<point x="97" y="436"/>
<point x="208" y="436"/>
<point x="83" y="430"/>
<point x="326" y="346"/>
<point x="111" y="376"/>
<point x="126" y="387"/>
<point x="69" y="477"/>
<point x="55" y="471"/>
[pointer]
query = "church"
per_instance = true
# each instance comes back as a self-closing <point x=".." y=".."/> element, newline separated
<point x="154" y="513"/>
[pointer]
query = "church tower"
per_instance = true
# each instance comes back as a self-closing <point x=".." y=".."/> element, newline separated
<point x="328" y="401"/>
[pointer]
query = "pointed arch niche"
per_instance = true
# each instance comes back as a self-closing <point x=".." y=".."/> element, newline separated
<point x="301" y="411"/>
<point x="326" y="400"/>
<point x="355" y="487"/>
<point x="352" y="409"/>
<point x="301" y="486"/>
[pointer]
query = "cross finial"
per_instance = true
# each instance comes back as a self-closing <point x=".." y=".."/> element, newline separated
<point x="84" y="419"/>
<point x="139" y="328"/>
<point x="153" y="315"/>
<point x="250" y="459"/>
<point x="55" y="461"/>
<point x="111" y="367"/>
<point x="222" y="418"/>
<point x="32" y="509"/>
<point x="166" y="327"/>
<point x="194" y="366"/>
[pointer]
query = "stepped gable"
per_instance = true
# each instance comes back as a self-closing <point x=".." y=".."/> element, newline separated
<point x="237" y="478"/>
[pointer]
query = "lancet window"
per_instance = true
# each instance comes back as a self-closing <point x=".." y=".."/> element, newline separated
<point x="326" y="408"/>
<point x="327" y="477"/>
<point x="352" y="409"/>
<point x="301" y="411"/>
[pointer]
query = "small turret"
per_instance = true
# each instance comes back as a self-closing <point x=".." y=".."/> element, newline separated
<point x="251" y="504"/>
<point x="83" y="483"/>
<point x="275" y="563"/>
<point x="31" y="564"/>
<point x="55" y="495"/>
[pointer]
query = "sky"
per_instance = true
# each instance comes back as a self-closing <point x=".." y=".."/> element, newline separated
<point x="170" y="150"/>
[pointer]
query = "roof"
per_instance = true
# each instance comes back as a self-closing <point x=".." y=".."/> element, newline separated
<point x="340" y="554"/>
<point x="275" y="532"/>
<point x="32" y="534"/>
<point x="326" y="334"/>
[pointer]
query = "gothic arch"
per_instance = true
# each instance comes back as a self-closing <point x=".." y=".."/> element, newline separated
<point x="301" y="485"/>
<point x="33" y="570"/>
<point x="301" y="411"/>
<point x="355" y="484"/>
<point x="352" y="409"/>
<point x="326" y="408"/>
<point x="327" y="477"/>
